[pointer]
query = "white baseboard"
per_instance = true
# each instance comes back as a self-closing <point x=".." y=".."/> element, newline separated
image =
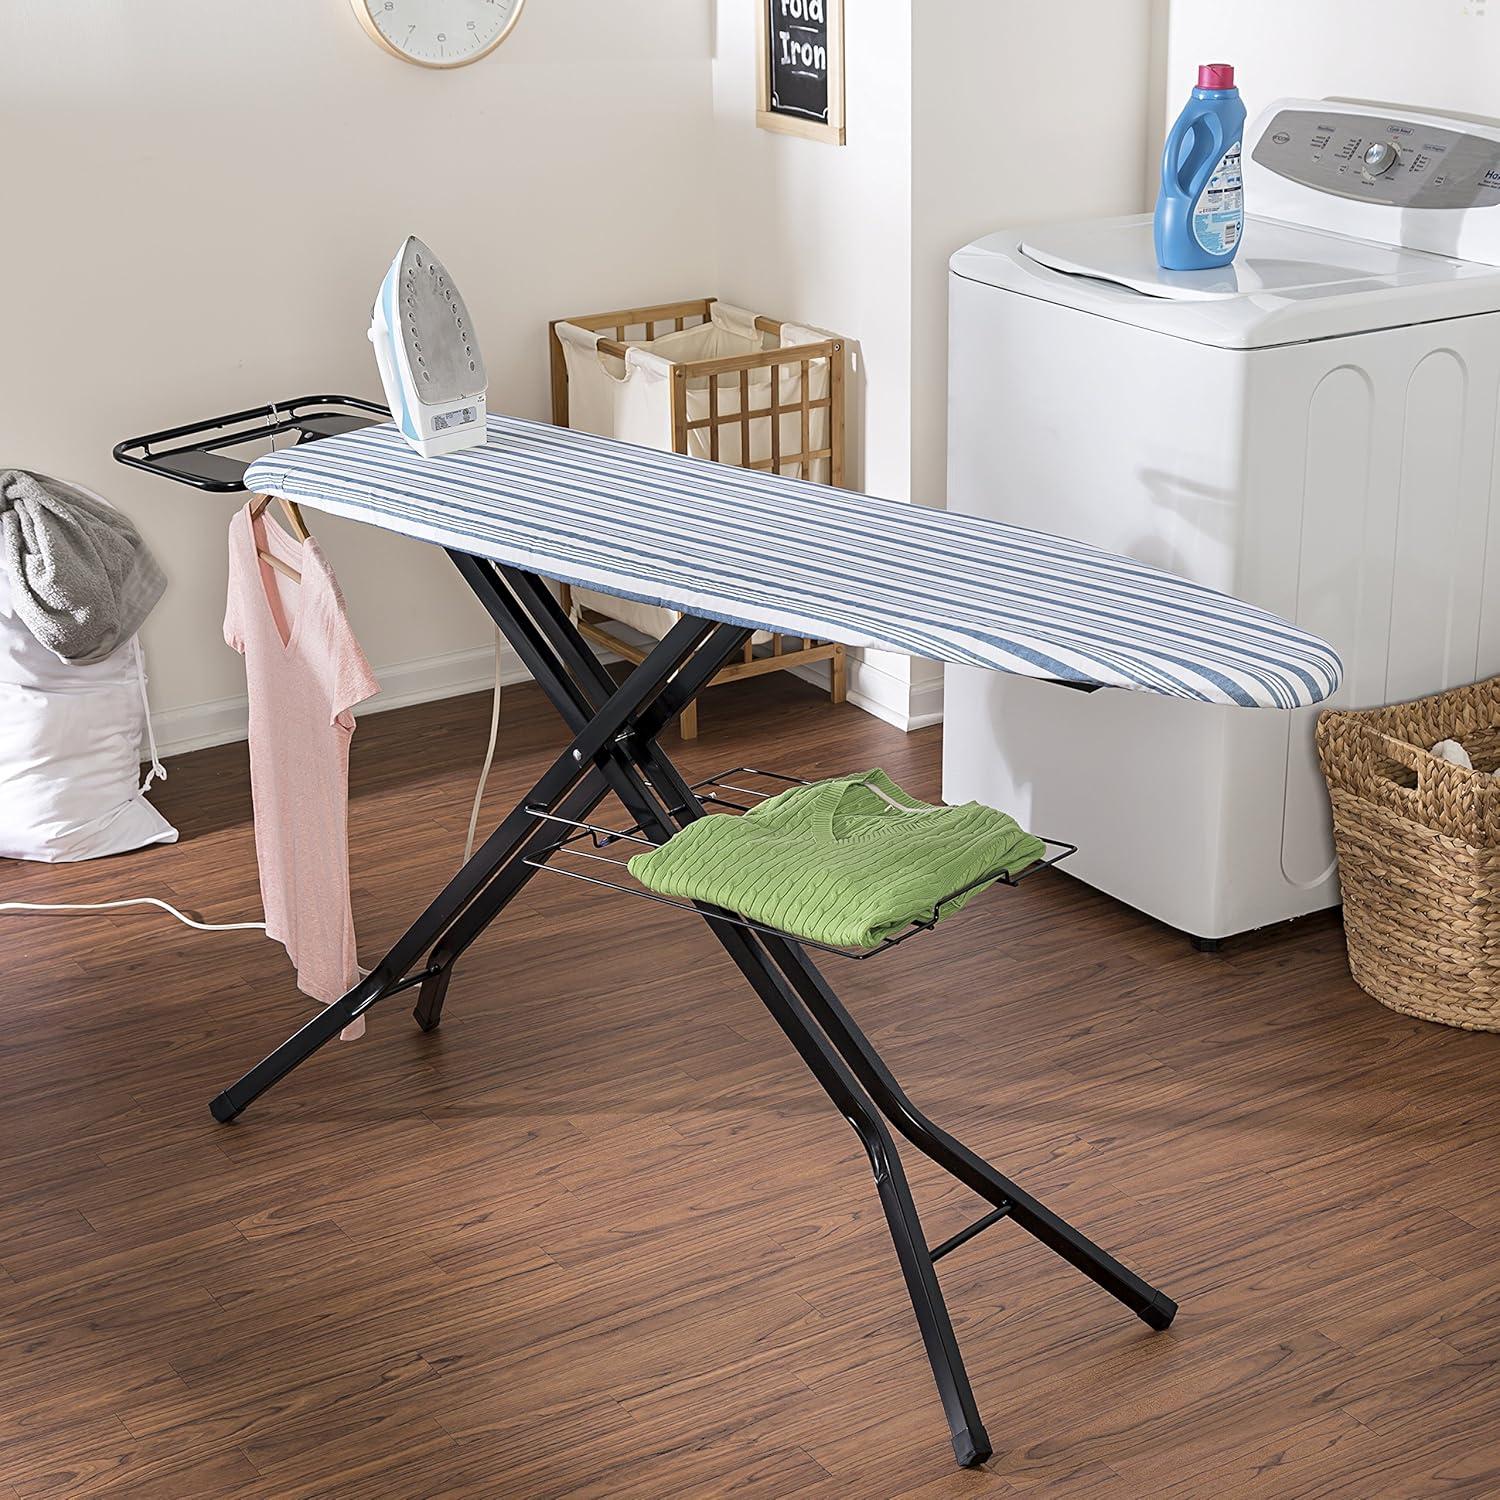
<point x="906" y="705"/>
<point x="905" y="719"/>
<point x="918" y="715"/>
<point x="225" y="720"/>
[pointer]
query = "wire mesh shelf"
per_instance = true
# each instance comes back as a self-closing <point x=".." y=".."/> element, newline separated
<point x="588" y="841"/>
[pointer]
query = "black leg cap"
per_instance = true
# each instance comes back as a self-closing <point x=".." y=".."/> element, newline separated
<point x="971" y="1447"/>
<point x="1160" y="1312"/>
<point x="426" y="1022"/>
<point x="224" y="1109"/>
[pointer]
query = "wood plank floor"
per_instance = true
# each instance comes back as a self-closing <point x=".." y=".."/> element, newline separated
<point x="599" y="1236"/>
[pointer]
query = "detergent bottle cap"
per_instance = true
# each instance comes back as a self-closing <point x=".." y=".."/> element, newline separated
<point x="1216" y="76"/>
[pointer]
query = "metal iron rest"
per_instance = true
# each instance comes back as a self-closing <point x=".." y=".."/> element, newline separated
<point x="602" y="836"/>
<point x="202" y="463"/>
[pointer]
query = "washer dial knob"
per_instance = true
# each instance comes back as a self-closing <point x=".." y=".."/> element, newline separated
<point x="1380" y="157"/>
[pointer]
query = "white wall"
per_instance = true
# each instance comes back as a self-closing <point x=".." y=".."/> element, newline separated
<point x="202" y="199"/>
<point x="1442" y="54"/>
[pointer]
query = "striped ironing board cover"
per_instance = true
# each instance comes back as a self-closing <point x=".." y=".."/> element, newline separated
<point x="786" y="555"/>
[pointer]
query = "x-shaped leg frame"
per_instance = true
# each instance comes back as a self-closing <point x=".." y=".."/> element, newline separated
<point x="614" y="748"/>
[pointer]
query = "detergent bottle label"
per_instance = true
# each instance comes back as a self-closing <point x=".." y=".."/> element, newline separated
<point x="1220" y="210"/>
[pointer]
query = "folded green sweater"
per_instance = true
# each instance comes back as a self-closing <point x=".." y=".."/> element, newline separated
<point x="848" y="861"/>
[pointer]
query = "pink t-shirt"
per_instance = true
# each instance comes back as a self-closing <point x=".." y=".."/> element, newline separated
<point x="305" y="671"/>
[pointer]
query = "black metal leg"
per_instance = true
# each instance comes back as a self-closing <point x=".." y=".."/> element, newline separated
<point x="389" y="976"/>
<point x="579" y="687"/>
<point x="855" y="1050"/>
<point x="428" y="1011"/>
<point x="1149" y="1304"/>
<point x="549" y="645"/>
<point x="502" y="889"/>
<point x="614" y="749"/>
<point x="295" y="1049"/>
<point x="971" y="1443"/>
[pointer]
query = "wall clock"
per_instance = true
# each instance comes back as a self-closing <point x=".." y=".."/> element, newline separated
<point x="438" y="33"/>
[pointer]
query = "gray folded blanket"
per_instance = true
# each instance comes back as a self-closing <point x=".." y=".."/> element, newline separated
<point x="82" y="579"/>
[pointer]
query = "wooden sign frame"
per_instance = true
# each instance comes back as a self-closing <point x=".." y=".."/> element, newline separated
<point x="830" y="133"/>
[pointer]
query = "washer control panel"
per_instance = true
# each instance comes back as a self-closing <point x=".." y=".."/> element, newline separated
<point x="1382" y="159"/>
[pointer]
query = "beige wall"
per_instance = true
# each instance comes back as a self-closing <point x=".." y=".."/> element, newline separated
<point x="202" y="199"/>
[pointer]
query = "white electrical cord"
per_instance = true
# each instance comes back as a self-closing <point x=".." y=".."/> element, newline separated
<point x="489" y="755"/>
<point x="166" y="906"/>
<point x="158" y="772"/>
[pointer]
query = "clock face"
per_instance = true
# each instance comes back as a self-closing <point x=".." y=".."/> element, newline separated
<point x="439" y="33"/>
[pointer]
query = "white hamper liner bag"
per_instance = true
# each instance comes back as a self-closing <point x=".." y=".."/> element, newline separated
<point x="631" y="399"/>
<point x="70" y="750"/>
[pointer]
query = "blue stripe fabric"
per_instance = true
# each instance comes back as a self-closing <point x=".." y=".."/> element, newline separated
<point x="786" y="555"/>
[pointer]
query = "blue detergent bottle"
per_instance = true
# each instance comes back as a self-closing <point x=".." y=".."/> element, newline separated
<point x="1200" y="213"/>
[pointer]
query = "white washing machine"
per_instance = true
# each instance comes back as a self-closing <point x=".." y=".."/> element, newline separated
<point x="1312" y="428"/>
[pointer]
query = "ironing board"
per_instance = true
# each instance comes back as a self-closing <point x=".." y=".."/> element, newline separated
<point x="750" y="548"/>
<point x="738" y="551"/>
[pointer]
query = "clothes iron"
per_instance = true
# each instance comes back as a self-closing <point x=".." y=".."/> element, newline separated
<point x="428" y="355"/>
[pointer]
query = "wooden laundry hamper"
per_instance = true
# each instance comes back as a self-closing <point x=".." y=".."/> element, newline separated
<point x="1418" y="841"/>
<point x="730" y="429"/>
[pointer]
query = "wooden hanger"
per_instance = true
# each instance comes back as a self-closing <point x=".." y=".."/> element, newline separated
<point x="293" y="514"/>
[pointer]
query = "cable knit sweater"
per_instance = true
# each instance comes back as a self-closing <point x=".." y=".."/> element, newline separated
<point x="849" y="861"/>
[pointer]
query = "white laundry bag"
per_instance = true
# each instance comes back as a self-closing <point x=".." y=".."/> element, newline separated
<point x="70" y="750"/>
<point x="631" y="399"/>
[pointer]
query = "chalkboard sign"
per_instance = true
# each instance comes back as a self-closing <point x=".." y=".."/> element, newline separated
<point x="801" y="68"/>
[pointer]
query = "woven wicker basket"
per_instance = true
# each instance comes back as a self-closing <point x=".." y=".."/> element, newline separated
<point x="1418" y="843"/>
